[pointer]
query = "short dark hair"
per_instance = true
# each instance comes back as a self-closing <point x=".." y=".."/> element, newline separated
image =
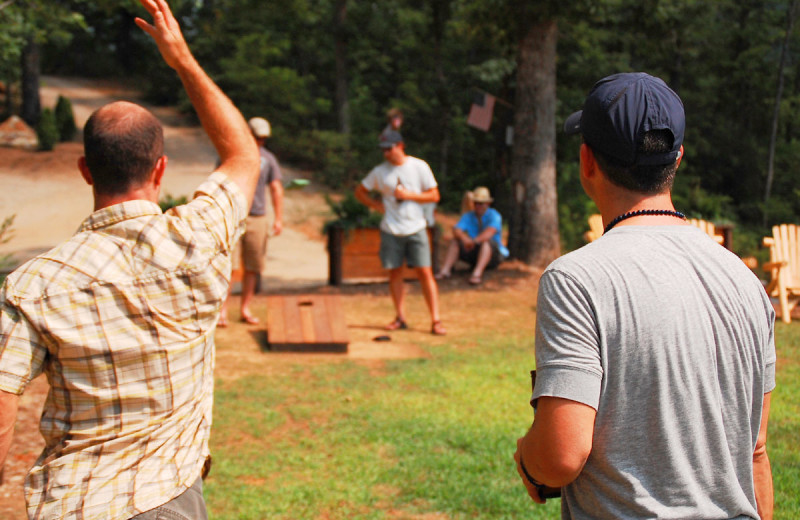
<point x="648" y="179"/>
<point x="121" y="151"/>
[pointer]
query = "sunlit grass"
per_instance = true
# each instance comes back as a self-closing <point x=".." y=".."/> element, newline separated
<point x="424" y="439"/>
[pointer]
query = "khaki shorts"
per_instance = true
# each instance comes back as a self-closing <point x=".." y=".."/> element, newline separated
<point x="252" y="248"/>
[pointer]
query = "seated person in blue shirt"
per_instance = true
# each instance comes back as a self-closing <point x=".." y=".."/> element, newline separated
<point x="477" y="239"/>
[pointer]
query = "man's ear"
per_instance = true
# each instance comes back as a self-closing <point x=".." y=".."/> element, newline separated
<point x="85" y="173"/>
<point x="680" y="157"/>
<point x="588" y="162"/>
<point x="158" y="170"/>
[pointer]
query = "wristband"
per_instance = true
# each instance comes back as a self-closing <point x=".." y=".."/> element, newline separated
<point x="533" y="482"/>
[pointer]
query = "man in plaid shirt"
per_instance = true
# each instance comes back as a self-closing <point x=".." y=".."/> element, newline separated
<point x="121" y="316"/>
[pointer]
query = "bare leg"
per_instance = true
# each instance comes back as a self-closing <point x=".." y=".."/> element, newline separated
<point x="249" y="281"/>
<point x="449" y="260"/>
<point x="431" y="292"/>
<point x="397" y="288"/>
<point x="484" y="256"/>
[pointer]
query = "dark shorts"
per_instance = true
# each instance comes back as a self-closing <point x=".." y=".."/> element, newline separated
<point x="414" y="250"/>
<point x="189" y="505"/>
<point x="471" y="257"/>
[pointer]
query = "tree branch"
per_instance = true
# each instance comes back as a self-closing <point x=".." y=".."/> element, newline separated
<point x="6" y="4"/>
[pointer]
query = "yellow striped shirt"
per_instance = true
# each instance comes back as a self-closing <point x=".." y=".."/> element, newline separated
<point x="121" y="318"/>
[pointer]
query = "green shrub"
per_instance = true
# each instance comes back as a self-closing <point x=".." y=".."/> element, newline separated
<point x="351" y="214"/>
<point x="65" y="119"/>
<point x="46" y="130"/>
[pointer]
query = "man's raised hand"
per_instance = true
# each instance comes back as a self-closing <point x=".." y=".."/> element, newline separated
<point x="165" y="31"/>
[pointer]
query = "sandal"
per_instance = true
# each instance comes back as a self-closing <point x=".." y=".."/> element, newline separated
<point x="475" y="280"/>
<point x="438" y="329"/>
<point x="397" y="324"/>
<point x="441" y="275"/>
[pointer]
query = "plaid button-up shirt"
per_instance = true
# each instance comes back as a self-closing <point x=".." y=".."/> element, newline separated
<point x="121" y="318"/>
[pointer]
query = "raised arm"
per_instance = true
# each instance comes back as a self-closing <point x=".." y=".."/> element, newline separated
<point x="221" y="120"/>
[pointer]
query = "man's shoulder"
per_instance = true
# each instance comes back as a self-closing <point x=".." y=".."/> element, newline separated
<point x="417" y="162"/>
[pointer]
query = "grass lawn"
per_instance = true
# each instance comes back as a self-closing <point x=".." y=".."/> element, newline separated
<point x="431" y="438"/>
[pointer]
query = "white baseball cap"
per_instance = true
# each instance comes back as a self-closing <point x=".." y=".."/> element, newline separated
<point x="260" y="127"/>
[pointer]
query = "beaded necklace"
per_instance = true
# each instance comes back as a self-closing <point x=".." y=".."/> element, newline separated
<point x="639" y="212"/>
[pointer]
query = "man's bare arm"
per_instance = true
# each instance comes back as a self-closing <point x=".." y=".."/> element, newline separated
<point x="276" y="192"/>
<point x="221" y="120"/>
<point x="362" y="195"/>
<point x="427" y="196"/>
<point x="558" y="444"/>
<point x="8" y="417"/>
<point x="762" y="472"/>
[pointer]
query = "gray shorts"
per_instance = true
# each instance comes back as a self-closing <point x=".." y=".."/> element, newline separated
<point x="189" y="505"/>
<point x="414" y="249"/>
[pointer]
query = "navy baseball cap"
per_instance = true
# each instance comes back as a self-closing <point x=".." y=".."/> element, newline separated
<point x="620" y="109"/>
<point x="389" y="138"/>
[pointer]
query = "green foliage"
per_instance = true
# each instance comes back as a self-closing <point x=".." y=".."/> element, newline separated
<point x="168" y="201"/>
<point x="65" y="119"/>
<point x="47" y="130"/>
<point x="431" y="58"/>
<point x="350" y="213"/>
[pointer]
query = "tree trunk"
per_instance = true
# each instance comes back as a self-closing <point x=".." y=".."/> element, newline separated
<point x="31" y="105"/>
<point x="441" y="14"/>
<point x="340" y="53"/>
<point x="533" y="233"/>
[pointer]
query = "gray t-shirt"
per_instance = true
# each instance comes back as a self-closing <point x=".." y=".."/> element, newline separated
<point x="269" y="171"/>
<point x="670" y="338"/>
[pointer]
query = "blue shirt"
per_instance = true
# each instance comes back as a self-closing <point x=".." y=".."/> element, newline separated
<point x="468" y="223"/>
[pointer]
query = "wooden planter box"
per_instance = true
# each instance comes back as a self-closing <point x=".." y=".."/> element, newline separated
<point x="353" y="256"/>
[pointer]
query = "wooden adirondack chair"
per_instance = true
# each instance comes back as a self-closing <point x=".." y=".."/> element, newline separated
<point x="784" y="266"/>
<point x="595" y="228"/>
<point x="707" y="227"/>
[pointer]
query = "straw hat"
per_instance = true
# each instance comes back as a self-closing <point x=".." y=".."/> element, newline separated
<point x="481" y="194"/>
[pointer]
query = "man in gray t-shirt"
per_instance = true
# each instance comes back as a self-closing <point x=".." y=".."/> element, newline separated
<point x="655" y="351"/>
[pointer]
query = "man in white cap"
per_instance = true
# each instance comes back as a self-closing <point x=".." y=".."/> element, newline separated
<point x="477" y="238"/>
<point x="252" y="249"/>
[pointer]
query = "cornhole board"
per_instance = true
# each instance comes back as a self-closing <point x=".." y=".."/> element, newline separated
<point x="306" y="323"/>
